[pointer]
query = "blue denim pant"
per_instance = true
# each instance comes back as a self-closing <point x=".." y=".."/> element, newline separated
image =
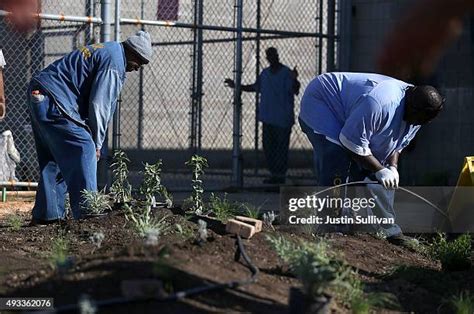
<point x="66" y="157"/>
<point x="333" y="166"/>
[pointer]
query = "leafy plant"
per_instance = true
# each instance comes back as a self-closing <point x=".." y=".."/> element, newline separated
<point x="59" y="254"/>
<point x="121" y="188"/>
<point x="86" y="305"/>
<point x="312" y="264"/>
<point x="453" y="255"/>
<point x="152" y="186"/>
<point x="97" y="238"/>
<point x="144" y="222"/>
<point x="185" y="231"/>
<point x="95" y="202"/>
<point x="251" y="211"/>
<point x="202" y="231"/>
<point x="269" y="218"/>
<point x="222" y="208"/>
<point x="198" y="164"/>
<point x="462" y="303"/>
<point x="14" y="222"/>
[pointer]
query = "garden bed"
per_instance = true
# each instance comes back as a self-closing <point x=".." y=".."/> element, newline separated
<point x="25" y="267"/>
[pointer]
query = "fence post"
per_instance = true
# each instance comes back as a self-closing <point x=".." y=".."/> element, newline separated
<point x="331" y="64"/>
<point x="116" y="119"/>
<point x="345" y="21"/>
<point x="237" y="178"/>
<point x="103" y="176"/>
<point x="257" y="94"/>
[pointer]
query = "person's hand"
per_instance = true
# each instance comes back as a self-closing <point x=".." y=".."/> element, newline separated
<point x="294" y="73"/>
<point x="397" y="175"/>
<point x="97" y="154"/>
<point x="387" y="178"/>
<point x="230" y="83"/>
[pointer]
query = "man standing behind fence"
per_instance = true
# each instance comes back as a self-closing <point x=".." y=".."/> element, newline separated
<point x="277" y="86"/>
<point x="71" y="104"/>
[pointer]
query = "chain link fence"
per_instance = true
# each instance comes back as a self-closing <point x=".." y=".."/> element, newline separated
<point x="178" y="105"/>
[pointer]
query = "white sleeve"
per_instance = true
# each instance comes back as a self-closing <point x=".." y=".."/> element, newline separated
<point x="2" y="60"/>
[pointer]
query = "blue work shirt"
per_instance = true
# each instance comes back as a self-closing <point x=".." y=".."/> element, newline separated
<point x="276" y="97"/>
<point x="362" y="111"/>
<point x="85" y="85"/>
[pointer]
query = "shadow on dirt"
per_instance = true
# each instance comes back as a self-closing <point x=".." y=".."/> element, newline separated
<point x="102" y="281"/>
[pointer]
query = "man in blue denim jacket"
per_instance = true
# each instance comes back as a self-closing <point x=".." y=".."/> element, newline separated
<point x="71" y="104"/>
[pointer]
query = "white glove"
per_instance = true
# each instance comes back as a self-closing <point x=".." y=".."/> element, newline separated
<point x="397" y="175"/>
<point x="387" y="178"/>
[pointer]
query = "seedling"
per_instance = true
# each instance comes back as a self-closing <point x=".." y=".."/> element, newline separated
<point x="462" y="303"/>
<point x="59" y="255"/>
<point x="223" y="209"/>
<point x="251" y="211"/>
<point x="198" y="164"/>
<point x="454" y="255"/>
<point x="86" y="305"/>
<point x="202" y="231"/>
<point x="95" y="202"/>
<point x="14" y="222"/>
<point x="151" y="237"/>
<point x="152" y="186"/>
<point x="97" y="238"/>
<point x="268" y="219"/>
<point x="121" y="188"/>
<point x="312" y="264"/>
<point x="185" y="231"/>
<point x="144" y="222"/>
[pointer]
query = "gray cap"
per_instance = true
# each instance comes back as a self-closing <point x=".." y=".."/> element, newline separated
<point x="141" y="44"/>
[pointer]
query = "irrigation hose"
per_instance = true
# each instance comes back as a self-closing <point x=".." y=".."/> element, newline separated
<point x="376" y="182"/>
<point x="240" y="251"/>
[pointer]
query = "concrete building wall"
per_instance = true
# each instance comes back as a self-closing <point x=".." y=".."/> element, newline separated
<point x="437" y="154"/>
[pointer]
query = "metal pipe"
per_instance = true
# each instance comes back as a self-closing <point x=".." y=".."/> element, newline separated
<point x="219" y="28"/>
<point x="331" y="33"/>
<point x="141" y="109"/>
<point x="257" y="94"/>
<point x="116" y="119"/>
<point x="19" y="184"/>
<point x="237" y="179"/>
<point x="320" y="41"/>
<point x="199" y="78"/>
<point x="192" y="136"/>
<point x="61" y="17"/>
<point x="345" y="22"/>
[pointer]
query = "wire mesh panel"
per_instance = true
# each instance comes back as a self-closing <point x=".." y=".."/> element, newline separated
<point x="28" y="53"/>
<point x="179" y="105"/>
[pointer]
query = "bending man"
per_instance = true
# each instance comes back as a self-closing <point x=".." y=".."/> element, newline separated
<point x="369" y="119"/>
<point x="71" y="104"/>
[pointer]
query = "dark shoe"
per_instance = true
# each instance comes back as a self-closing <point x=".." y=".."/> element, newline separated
<point x="404" y="241"/>
<point x="43" y="223"/>
<point x="274" y="180"/>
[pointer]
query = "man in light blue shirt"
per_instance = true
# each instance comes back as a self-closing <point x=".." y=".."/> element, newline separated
<point x="71" y="104"/>
<point x="369" y="119"/>
<point x="277" y="86"/>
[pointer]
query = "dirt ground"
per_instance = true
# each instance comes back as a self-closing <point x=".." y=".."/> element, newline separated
<point x="101" y="273"/>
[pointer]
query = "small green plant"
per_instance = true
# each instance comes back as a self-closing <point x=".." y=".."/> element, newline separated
<point x="222" y="208"/>
<point x="59" y="256"/>
<point x="143" y="221"/>
<point x="185" y="231"/>
<point x="121" y="188"/>
<point x="453" y="255"/>
<point x="152" y="186"/>
<point x="198" y="164"/>
<point x="95" y="202"/>
<point x="312" y="264"/>
<point x="97" y="238"/>
<point x="14" y="222"/>
<point x="268" y="219"/>
<point x="251" y="211"/>
<point x="462" y="303"/>
<point x="202" y="232"/>
<point x="86" y="305"/>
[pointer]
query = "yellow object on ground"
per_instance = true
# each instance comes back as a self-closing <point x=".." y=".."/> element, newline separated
<point x="460" y="210"/>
